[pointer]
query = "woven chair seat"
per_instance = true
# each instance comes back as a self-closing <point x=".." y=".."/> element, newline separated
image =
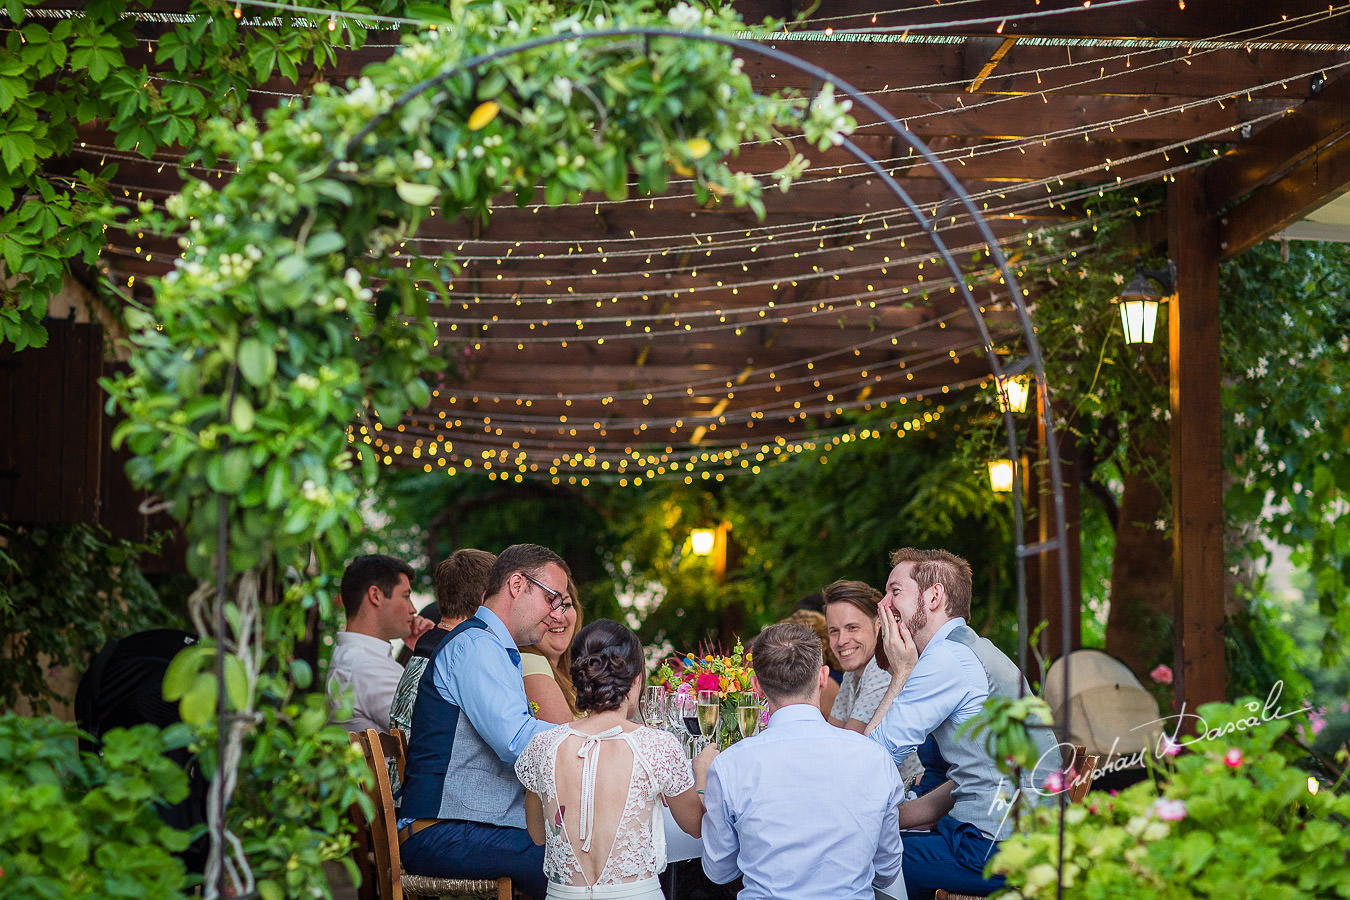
<point x="431" y="886"/>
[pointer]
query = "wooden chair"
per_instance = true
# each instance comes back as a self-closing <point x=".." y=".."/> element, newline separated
<point x="378" y="749"/>
<point x="1082" y="764"/>
<point x="363" y="854"/>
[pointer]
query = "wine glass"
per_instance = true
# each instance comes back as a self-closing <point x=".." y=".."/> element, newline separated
<point x="654" y="705"/>
<point x="684" y="711"/>
<point x="708" y="702"/>
<point x="748" y="714"/>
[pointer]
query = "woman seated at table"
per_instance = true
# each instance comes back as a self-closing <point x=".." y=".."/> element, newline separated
<point x="548" y="681"/>
<point x="595" y="785"/>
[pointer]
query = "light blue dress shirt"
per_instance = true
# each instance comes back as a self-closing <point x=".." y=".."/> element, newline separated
<point x="803" y="811"/>
<point x="948" y="682"/>
<point x="480" y="673"/>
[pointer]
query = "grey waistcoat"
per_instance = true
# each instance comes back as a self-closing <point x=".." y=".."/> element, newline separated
<point x="977" y="783"/>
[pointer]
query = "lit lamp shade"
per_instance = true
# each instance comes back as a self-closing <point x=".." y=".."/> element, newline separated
<point x="1139" y="318"/>
<point x="701" y="541"/>
<point x="1001" y="475"/>
<point x="1015" y="390"/>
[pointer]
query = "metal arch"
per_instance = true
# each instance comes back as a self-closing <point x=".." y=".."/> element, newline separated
<point x="1033" y="360"/>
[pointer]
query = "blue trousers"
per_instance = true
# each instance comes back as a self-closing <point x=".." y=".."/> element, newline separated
<point x="473" y="850"/>
<point x="952" y="856"/>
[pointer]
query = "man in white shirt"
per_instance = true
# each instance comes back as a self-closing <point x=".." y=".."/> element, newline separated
<point x="377" y="596"/>
<point x="803" y="810"/>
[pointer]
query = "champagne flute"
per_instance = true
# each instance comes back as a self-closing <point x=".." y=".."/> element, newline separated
<point x="708" y="702"/>
<point x="747" y="714"/>
<point x="653" y="705"/>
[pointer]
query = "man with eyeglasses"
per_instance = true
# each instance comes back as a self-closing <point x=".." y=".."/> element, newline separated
<point x="463" y="809"/>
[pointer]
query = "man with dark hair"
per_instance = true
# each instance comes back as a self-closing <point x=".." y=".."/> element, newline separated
<point x="461" y="579"/>
<point x="463" y="810"/>
<point x="377" y="596"/>
<point x="941" y="674"/>
<point x="802" y="810"/>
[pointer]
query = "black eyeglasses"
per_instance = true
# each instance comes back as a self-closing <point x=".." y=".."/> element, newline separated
<point x="556" y="599"/>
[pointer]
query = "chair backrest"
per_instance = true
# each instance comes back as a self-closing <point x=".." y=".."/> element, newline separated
<point x="396" y="746"/>
<point x="378" y="749"/>
<point x="362" y="852"/>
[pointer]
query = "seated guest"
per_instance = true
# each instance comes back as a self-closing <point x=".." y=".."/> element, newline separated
<point x="852" y="624"/>
<point x="547" y="664"/>
<point x="596" y="785"/>
<point x="815" y="621"/>
<point x="463" y="811"/>
<point x="461" y="579"/>
<point x="802" y="810"/>
<point x="377" y="596"/>
<point x="941" y="674"/>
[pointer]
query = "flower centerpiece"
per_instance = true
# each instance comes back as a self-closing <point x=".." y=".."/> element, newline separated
<point x="729" y="675"/>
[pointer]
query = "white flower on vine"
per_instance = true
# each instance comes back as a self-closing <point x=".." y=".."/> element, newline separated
<point x="685" y="16"/>
<point x="1239" y="418"/>
<point x="1117" y="278"/>
<point x="421" y="160"/>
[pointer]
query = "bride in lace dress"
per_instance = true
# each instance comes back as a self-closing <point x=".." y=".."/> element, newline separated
<point x="595" y="785"/>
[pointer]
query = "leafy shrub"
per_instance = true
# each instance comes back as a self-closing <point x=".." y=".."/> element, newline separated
<point x="1226" y="817"/>
<point x="81" y="825"/>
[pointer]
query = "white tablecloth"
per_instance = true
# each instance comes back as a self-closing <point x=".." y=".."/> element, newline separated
<point x="679" y="845"/>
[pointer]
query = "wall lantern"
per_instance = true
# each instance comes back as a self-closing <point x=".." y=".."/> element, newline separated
<point x="1001" y="475"/>
<point x="1015" y="389"/>
<point x="702" y="540"/>
<point x="1139" y="301"/>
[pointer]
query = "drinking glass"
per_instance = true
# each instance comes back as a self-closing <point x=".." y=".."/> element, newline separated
<point x="654" y="705"/>
<point x="708" y="702"/>
<point x="684" y="715"/>
<point x="748" y="714"/>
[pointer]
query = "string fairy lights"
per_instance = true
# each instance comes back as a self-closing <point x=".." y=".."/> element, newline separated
<point x="653" y="297"/>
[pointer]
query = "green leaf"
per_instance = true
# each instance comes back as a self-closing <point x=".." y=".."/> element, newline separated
<point x="199" y="703"/>
<point x="182" y="670"/>
<point x="236" y="682"/>
<point x="257" y="361"/>
<point x="241" y="414"/>
<point x="324" y="243"/>
<point x="416" y="194"/>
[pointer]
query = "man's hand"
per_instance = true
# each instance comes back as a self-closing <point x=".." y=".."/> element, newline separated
<point x="901" y="651"/>
<point x="420" y="626"/>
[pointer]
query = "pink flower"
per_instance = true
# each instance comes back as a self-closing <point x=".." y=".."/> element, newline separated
<point x="1345" y="707"/>
<point x="1233" y="758"/>
<point x="1318" y="721"/>
<point x="1161" y="675"/>
<point x="1167" y="746"/>
<point x="1170" y="810"/>
<point x="707" y="681"/>
<point x="684" y="689"/>
<point x="1054" y="783"/>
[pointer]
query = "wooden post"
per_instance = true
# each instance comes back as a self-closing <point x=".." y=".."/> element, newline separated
<point x="1197" y="457"/>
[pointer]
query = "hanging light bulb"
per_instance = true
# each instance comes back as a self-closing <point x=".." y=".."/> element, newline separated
<point x="238" y="11"/>
<point x="332" y="23"/>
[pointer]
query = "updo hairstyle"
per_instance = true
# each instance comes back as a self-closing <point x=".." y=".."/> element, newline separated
<point x="606" y="660"/>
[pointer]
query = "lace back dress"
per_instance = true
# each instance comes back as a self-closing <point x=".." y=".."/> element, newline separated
<point x="601" y="796"/>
